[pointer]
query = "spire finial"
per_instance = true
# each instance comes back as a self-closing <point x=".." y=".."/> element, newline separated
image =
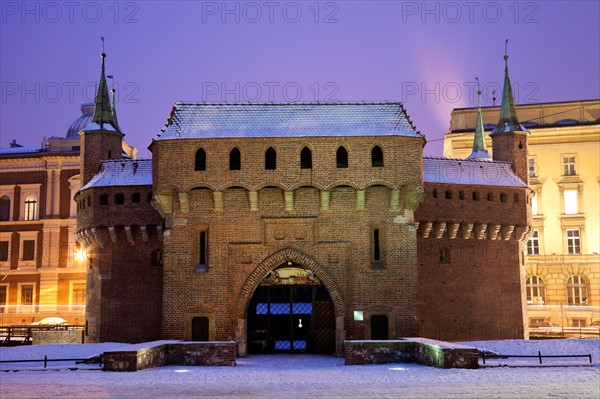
<point x="478" y="92"/>
<point x="506" y="50"/>
<point x="103" y="112"/>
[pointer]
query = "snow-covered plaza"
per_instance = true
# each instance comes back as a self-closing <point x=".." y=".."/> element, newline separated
<point x="310" y="376"/>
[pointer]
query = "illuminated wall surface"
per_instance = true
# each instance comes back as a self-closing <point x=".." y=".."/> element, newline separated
<point x="563" y="265"/>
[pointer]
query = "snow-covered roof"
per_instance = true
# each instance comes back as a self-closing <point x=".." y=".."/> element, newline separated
<point x="471" y="172"/>
<point x="21" y="150"/>
<point x="122" y="172"/>
<point x="201" y="120"/>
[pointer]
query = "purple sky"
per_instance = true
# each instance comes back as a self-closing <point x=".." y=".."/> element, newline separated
<point x="425" y="54"/>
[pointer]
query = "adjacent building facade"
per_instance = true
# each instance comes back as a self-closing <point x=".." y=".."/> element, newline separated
<point x="292" y="227"/>
<point x="562" y="254"/>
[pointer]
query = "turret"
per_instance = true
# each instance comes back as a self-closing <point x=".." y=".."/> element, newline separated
<point x="509" y="137"/>
<point x="102" y="138"/>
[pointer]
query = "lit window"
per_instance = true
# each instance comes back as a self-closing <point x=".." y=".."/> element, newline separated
<point x="570" y="197"/>
<point x="3" y="296"/>
<point x="533" y="245"/>
<point x="531" y="163"/>
<point x="569" y="166"/>
<point x="77" y="294"/>
<point x="576" y="291"/>
<point x="536" y="291"/>
<point x="26" y="297"/>
<point x="573" y="241"/>
<point x="534" y="205"/>
<point x="30" y="207"/>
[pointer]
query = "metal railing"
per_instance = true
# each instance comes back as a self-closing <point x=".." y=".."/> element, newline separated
<point x="45" y="360"/>
<point x="538" y="356"/>
<point x="22" y="334"/>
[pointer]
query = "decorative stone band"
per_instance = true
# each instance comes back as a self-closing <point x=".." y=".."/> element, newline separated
<point x="478" y="231"/>
<point x="100" y="235"/>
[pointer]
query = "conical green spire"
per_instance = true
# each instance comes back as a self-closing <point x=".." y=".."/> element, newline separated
<point x="103" y="114"/>
<point x="479" y="149"/>
<point x="508" y="121"/>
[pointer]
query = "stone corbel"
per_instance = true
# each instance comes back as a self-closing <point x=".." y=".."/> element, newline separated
<point x="480" y="230"/>
<point x="395" y="200"/>
<point x="453" y="230"/>
<point x="521" y="232"/>
<point x="144" y="232"/>
<point x="426" y="229"/>
<point x="360" y="200"/>
<point x="438" y="230"/>
<point x="289" y="201"/>
<point x="128" y="233"/>
<point x="466" y="230"/>
<point x="165" y="204"/>
<point x="253" y="200"/>
<point x="507" y="231"/>
<point x="324" y="200"/>
<point x="414" y="196"/>
<point x="113" y="234"/>
<point x="184" y="203"/>
<point x="218" y="200"/>
<point x="493" y="231"/>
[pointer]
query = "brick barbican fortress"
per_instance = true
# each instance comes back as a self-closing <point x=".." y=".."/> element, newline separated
<point x="294" y="227"/>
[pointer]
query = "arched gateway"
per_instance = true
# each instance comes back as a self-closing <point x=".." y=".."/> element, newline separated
<point x="290" y="304"/>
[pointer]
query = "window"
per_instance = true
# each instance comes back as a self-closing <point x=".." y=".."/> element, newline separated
<point x="149" y="197"/>
<point x="516" y="197"/>
<point x="30" y="207"/>
<point x="570" y="198"/>
<point x="103" y="199"/>
<point x="200" y="163"/>
<point x="536" y="291"/>
<point x="579" y="323"/>
<point x="89" y="201"/>
<point x="502" y="197"/>
<point x="475" y="196"/>
<point x="4" y="245"/>
<point x="119" y="199"/>
<point x="434" y="194"/>
<point x="377" y="157"/>
<point x="461" y="195"/>
<point x="532" y="167"/>
<point x="341" y="158"/>
<point x="26" y="297"/>
<point x="573" y="242"/>
<point x="448" y="194"/>
<point x="270" y="159"/>
<point x="534" y="205"/>
<point x="4" y="208"/>
<point x="490" y="196"/>
<point x="377" y="249"/>
<point x="533" y="245"/>
<point x="28" y="250"/>
<point x="3" y="296"/>
<point x="569" y="166"/>
<point x="306" y="158"/>
<point x="202" y="252"/>
<point x="77" y="295"/>
<point x="376" y="246"/>
<point x="135" y="198"/>
<point x="576" y="291"/>
<point x="235" y="160"/>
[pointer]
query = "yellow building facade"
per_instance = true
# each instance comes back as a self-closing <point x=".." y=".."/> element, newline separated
<point x="562" y="260"/>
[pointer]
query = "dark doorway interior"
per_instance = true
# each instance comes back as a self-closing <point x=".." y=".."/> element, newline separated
<point x="200" y="329"/>
<point x="291" y="319"/>
<point x="379" y="327"/>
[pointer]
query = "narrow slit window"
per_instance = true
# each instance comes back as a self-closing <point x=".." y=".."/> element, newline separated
<point x="202" y="266"/>
<point x="200" y="161"/>
<point x="376" y="246"/>
<point x="270" y="159"/>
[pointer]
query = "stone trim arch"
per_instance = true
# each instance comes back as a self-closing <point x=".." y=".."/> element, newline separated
<point x="278" y="258"/>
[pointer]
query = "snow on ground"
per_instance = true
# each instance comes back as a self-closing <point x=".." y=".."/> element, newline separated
<point x="307" y="376"/>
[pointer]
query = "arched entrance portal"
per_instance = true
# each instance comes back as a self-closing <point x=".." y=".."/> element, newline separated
<point x="291" y="311"/>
